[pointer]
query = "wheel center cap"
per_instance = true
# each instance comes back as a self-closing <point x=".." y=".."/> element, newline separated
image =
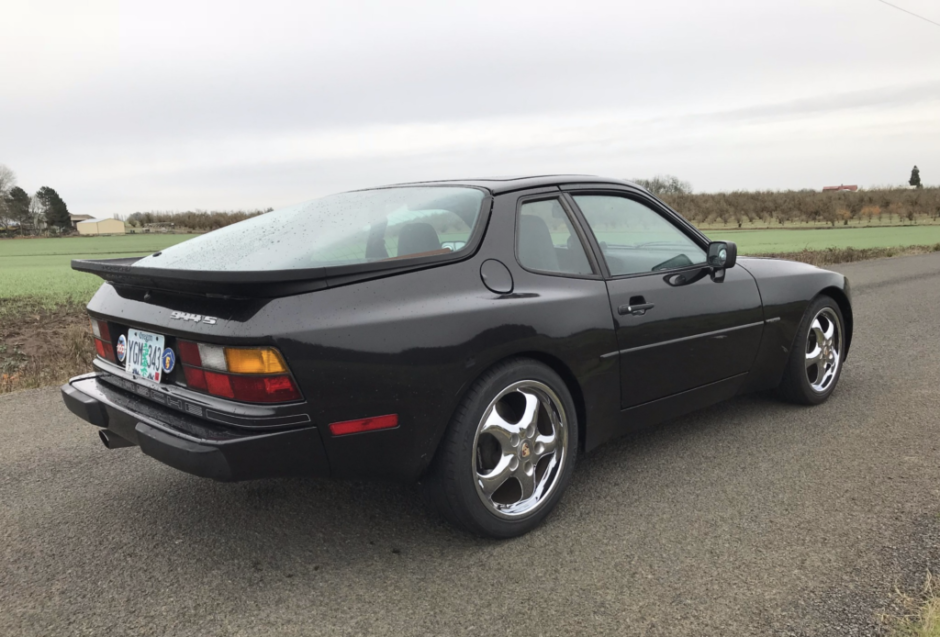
<point x="525" y="451"/>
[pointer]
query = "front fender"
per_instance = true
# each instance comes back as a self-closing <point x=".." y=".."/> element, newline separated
<point x="786" y="289"/>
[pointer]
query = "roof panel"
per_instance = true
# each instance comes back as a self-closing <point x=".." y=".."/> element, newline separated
<point x="498" y="185"/>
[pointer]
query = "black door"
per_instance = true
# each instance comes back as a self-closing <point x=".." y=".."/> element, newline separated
<point x="678" y="326"/>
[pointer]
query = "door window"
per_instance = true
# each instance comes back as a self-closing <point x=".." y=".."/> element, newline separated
<point x="635" y="238"/>
<point x="546" y="240"/>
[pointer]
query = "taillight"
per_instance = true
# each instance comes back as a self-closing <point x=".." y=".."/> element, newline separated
<point x="248" y="374"/>
<point x="102" y="334"/>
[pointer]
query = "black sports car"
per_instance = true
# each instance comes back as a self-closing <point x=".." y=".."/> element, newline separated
<point x="476" y="335"/>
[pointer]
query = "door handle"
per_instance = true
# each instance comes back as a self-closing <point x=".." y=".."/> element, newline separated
<point x="638" y="309"/>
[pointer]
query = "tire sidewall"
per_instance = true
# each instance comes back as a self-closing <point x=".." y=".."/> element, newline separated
<point x="479" y="517"/>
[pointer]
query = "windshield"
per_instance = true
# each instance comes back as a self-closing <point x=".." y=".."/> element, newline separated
<point x="345" y="229"/>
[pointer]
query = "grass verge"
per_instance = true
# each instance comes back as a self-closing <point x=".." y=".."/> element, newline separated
<point x="920" y="612"/>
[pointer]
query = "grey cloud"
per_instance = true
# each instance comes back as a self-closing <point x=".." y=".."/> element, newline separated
<point x="609" y="87"/>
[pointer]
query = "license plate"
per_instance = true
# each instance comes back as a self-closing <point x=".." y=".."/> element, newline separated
<point x="144" y="353"/>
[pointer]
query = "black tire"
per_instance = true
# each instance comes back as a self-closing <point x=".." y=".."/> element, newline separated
<point x="454" y="484"/>
<point x="798" y="381"/>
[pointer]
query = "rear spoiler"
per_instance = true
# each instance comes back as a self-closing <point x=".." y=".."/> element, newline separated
<point x="264" y="284"/>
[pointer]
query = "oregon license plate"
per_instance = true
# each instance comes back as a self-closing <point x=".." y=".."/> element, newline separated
<point x="144" y="353"/>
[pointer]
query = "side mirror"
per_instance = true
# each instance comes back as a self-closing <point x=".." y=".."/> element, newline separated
<point x="722" y="254"/>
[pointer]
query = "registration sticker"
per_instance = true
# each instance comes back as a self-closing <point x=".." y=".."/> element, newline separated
<point x="144" y="354"/>
<point x="121" y="349"/>
<point x="169" y="360"/>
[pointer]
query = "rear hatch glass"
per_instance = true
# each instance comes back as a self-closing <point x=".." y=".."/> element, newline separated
<point x="347" y="229"/>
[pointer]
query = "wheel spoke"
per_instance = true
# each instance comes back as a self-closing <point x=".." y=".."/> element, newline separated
<point x="545" y="446"/>
<point x="814" y="357"/>
<point x="494" y="479"/>
<point x="496" y="426"/>
<point x="830" y="372"/>
<point x="816" y="328"/>
<point x="825" y="376"/>
<point x="527" y="482"/>
<point x="531" y="415"/>
<point x="829" y="331"/>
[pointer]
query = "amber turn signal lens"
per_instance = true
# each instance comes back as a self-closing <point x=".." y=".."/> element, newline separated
<point x="262" y="360"/>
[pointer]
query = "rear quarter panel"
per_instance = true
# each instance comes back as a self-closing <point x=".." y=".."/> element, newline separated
<point x="413" y="345"/>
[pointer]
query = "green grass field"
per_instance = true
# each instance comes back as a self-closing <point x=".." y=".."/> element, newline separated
<point x="40" y="268"/>
<point x="763" y="241"/>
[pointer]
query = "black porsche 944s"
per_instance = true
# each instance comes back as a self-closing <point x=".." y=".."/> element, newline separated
<point x="474" y="335"/>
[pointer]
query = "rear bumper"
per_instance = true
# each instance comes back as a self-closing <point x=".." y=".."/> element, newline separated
<point x="193" y="445"/>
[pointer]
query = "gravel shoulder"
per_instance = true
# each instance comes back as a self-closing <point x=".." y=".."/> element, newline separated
<point x="750" y="518"/>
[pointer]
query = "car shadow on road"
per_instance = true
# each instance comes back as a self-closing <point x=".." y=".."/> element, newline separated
<point x="342" y="522"/>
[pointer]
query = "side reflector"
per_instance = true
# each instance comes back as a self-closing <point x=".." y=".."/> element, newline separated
<point x="365" y="424"/>
<point x="254" y="361"/>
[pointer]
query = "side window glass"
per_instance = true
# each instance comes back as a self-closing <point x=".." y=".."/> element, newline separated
<point x="635" y="238"/>
<point x="546" y="241"/>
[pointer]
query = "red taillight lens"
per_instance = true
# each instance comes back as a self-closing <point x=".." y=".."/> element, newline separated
<point x="364" y="424"/>
<point x="195" y="378"/>
<point x="99" y="347"/>
<point x="189" y="353"/>
<point x="220" y="385"/>
<point x="267" y="389"/>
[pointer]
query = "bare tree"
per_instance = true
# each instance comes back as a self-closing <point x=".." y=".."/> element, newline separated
<point x="5" y="212"/>
<point x="7" y="178"/>
<point x="665" y="185"/>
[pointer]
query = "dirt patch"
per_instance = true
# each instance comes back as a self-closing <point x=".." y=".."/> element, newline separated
<point x="42" y="345"/>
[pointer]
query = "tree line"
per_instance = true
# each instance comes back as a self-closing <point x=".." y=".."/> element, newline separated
<point x="874" y="205"/>
<point x="779" y="208"/>
<point x="28" y="214"/>
<point x="193" y="220"/>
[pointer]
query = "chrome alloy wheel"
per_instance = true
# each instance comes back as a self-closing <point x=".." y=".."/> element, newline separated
<point x="823" y="350"/>
<point x="520" y="449"/>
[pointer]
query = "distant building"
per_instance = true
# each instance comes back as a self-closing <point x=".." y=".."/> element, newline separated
<point x="76" y="218"/>
<point x="100" y="226"/>
<point x="837" y="188"/>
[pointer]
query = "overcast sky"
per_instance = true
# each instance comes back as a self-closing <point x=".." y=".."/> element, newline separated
<point x="174" y="105"/>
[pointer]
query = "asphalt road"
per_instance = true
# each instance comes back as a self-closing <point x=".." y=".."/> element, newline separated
<point x="750" y="518"/>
